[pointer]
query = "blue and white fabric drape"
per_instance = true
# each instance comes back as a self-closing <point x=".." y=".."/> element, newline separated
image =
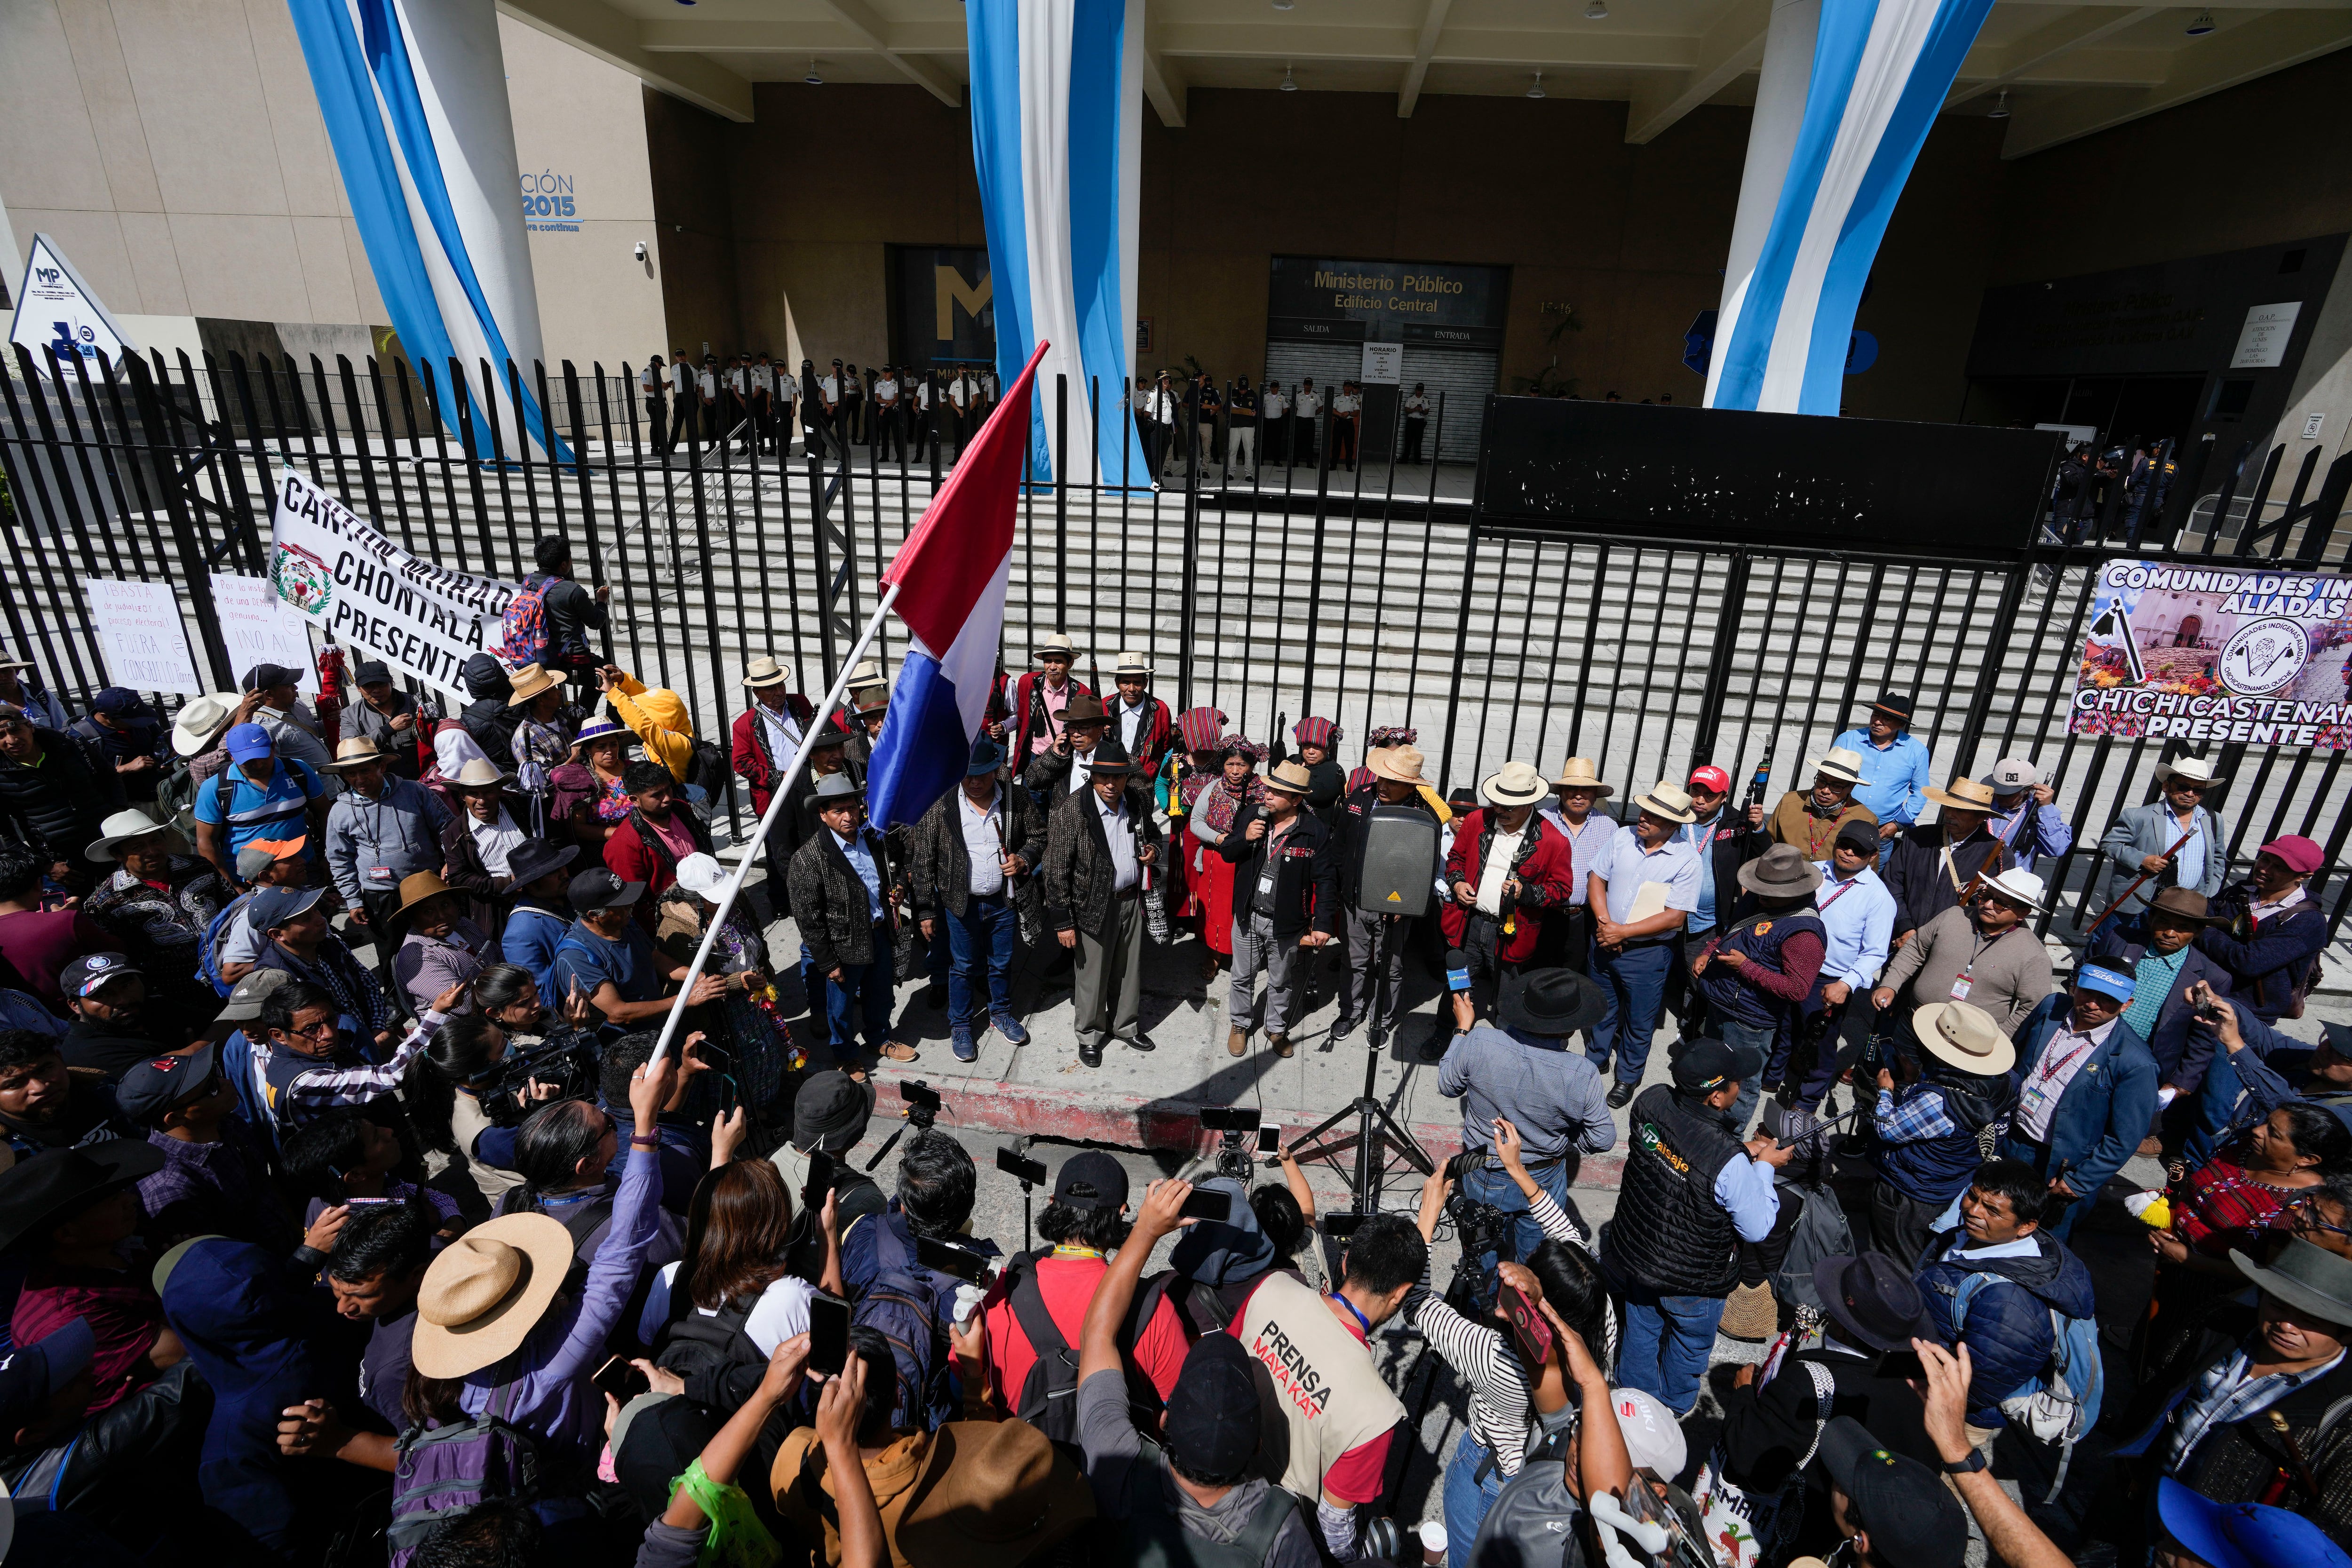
<point x="414" y="99"/>
<point x="1057" y="140"/>
<point x="1881" y="71"/>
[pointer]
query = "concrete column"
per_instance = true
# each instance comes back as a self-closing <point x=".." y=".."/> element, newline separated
<point x="1780" y="87"/>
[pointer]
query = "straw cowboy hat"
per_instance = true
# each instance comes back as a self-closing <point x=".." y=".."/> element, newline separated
<point x="1513" y="784"/>
<point x="2196" y="770"/>
<point x="597" y="729"/>
<point x="1963" y="795"/>
<point x="1577" y="773"/>
<point x="1291" y="778"/>
<point x="765" y="671"/>
<point x="487" y="1291"/>
<point x="123" y="826"/>
<point x="197" y="727"/>
<point x="2017" y="886"/>
<point x="991" y="1494"/>
<point x="1780" y="872"/>
<point x="868" y="673"/>
<point x="1965" y="1035"/>
<point x="419" y="885"/>
<point x="1055" y="642"/>
<point x="1840" y="763"/>
<point x="1132" y="663"/>
<point x="1398" y="765"/>
<point x="529" y="682"/>
<point x="1664" y="800"/>
<point x="356" y="753"/>
<point x="479" y="772"/>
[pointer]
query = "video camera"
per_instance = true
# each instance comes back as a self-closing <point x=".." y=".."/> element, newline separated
<point x="921" y="1104"/>
<point x="568" y="1062"/>
<point x="1236" y="1124"/>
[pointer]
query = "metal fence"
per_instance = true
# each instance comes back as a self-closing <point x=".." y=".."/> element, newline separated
<point x="1383" y="595"/>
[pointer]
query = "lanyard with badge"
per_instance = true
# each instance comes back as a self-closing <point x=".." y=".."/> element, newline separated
<point x="2037" y="1086"/>
<point x="1967" y="977"/>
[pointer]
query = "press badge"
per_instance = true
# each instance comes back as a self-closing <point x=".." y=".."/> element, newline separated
<point x="380" y="874"/>
<point x="1960" y="989"/>
<point x="1265" y="883"/>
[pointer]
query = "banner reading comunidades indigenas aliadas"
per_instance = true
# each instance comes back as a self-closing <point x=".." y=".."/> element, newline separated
<point x="337" y="569"/>
<point x="2204" y="652"/>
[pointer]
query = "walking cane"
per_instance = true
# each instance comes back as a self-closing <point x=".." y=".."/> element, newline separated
<point x="2121" y="899"/>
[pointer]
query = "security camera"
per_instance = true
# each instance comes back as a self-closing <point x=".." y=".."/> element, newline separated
<point x="641" y="250"/>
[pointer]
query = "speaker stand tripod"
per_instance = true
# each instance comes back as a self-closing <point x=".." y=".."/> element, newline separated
<point x="1375" y="1127"/>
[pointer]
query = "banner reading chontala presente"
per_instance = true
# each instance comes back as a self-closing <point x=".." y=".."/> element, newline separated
<point x="2210" y="653"/>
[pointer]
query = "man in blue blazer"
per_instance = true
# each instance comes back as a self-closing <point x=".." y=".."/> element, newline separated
<point x="2085" y="1092"/>
<point x="2158" y="949"/>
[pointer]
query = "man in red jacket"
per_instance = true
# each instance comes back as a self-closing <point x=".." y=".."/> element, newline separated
<point x="1036" y="699"/>
<point x="1140" y="720"/>
<point x="1507" y="866"/>
<point x="766" y="736"/>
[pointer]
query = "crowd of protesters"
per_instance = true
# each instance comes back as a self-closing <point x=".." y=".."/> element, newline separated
<point x="352" y="1211"/>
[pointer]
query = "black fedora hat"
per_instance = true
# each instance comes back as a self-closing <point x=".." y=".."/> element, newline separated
<point x="535" y="857"/>
<point x="1870" y="1299"/>
<point x="1550" y="1003"/>
<point x="1896" y="705"/>
<point x="49" y="1183"/>
<point x="1109" y="756"/>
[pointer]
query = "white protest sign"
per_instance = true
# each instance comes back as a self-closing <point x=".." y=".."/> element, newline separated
<point x="334" y="567"/>
<point x="140" y="632"/>
<point x="258" y="629"/>
<point x="55" y="308"/>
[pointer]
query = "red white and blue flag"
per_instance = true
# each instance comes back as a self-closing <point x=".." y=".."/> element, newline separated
<point x="950" y="574"/>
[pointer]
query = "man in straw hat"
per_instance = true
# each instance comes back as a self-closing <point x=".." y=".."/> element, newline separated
<point x="383" y="829"/>
<point x="1140" y="719"/>
<point x="157" y="904"/>
<point x="2085" y="1090"/>
<point x="1949" y="1083"/>
<point x="2140" y="841"/>
<point x="1375" y="945"/>
<point x="1100" y="848"/>
<point x="1984" y="953"/>
<point x="493" y="1312"/>
<point x="766" y="736"/>
<point x="1642" y="889"/>
<point x="1812" y="820"/>
<point x="439" y="947"/>
<point x="197" y="729"/>
<point x="2257" y="1388"/>
<point x="1574" y="809"/>
<point x="1934" y="865"/>
<point x="846" y="925"/>
<point x="1035" y="699"/>
<point x="971" y="858"/>
<point x="2025" y="816"/>
<point x="1286" y="900"/>
<point x="1196" y="1477"/>
<point x="1507" y="868"/>
<point x="1757" y="970"/>
<point x="1895" y="771"/>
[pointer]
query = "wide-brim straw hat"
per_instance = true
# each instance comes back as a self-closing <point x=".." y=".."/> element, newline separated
<point x="357" y="752"/>
<point x="486" y="1291"/>
<point x="123" y="826"/>
<point x="597" y="729"/>
<point x="1780" y="872"/>
<point x="419" y="885"/>
<point x="197" y="727"/>
<point x="1131" y="663"/>
<point x="479" y="772"/>
<point x="1513" y="784"/>
<point x="1291" y="778"/>
<point x="765" y="671"/>
<point x="1577" y="773"/>
<point x="1963" y="795"/>
<point x="2197" y="770"/>
<point x="1663" y="799"/>
<point x="2017" y="886"/>
<point x="1840" y="763"/>
<point x="1055" y="642"/>
<point x="1398" y="765"/>
<point x="1965" y="1035"/>
<point x="529" y="682"/>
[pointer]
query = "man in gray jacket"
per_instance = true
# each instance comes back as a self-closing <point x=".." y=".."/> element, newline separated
<point x="2141" y="841"/>
<point x="1100" y="848"/>
<point x="379" y="830"/>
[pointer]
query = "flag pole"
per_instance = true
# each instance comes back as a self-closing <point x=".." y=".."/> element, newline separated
<point x="766" y="819"/>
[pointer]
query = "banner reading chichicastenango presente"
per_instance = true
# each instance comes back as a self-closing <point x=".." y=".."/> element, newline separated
<point x="335" y="567"/>
<point x="2214" y="653"/>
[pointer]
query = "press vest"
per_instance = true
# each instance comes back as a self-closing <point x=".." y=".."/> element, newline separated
<point x="1332" y="1395"/>
<point x="1669" y="1233"/>
<point x="1759" y="937"/>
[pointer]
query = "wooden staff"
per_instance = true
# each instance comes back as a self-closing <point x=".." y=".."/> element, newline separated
<point x="2121" y="899"/>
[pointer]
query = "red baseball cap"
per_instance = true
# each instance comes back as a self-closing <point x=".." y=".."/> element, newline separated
<point x="1712" y="779"/>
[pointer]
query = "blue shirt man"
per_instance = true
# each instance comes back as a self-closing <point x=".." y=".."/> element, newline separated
<point x="860" y="856"/>
<point x="1857" y="913"/>
<point x="2027" y="824"/>
<point x="274" y="804"/>
<point x="1895" y="775"/>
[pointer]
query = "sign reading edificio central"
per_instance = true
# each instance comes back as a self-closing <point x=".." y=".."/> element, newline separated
<point x="1319" y="299"/>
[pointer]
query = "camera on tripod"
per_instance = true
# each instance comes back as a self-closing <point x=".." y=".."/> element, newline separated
<point x="570" y="1068"/>
<point x="1237" y="1124"/>
<point x="922" y="1102"/>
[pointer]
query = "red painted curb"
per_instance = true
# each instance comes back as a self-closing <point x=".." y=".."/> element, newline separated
<point x="1135" y="1121"/>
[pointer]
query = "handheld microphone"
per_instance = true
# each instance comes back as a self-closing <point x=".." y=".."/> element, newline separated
<point x="1457" y="970"/>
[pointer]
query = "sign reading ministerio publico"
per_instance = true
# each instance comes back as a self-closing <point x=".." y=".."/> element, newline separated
<point x="1320" y="299"/>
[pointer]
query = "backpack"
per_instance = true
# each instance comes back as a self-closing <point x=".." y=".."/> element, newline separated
<point x="1048" y="1396"/>
<point x="908" y="1305"/>
<point x="527" y="639"/>
<point x="439" y="1472"/>
<point x="1821" y="1231"/>
<point x="175" y="798"/>
<point x="708" y="770"/>
<point x="209" y="946"/>
<point x="1532" y="1521"/>
<point x="2063" y="1404"/>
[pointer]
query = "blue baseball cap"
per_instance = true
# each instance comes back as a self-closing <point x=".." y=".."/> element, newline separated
<point x="248" y="743"/>
<point x="273" y="907"/>
<point x="2243" y="1534"/>
<point x="2106" y="981"/>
